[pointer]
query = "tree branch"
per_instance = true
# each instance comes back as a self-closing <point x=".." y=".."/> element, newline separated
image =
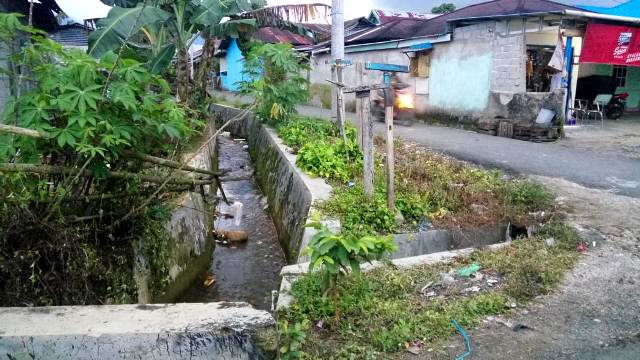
<point x="61" y="170"/>
<point x="20" y="131"/>
<point x="241" y="115"/>
<point x="168" y="163"/>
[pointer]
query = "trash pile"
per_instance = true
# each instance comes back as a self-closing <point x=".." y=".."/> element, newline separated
<point x="465" y="281"/>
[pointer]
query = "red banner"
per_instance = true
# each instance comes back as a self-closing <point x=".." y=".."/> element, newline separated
<point x="611" y="44"/>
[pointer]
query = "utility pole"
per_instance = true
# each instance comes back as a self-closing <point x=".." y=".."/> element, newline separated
<point x="337" y="48"/>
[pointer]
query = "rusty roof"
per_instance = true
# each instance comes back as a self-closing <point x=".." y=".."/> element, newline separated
<point x="396" y="28"/>
<point x="275" y="35"/>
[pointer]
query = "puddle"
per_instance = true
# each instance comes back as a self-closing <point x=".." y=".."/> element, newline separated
<point x="251" y="270"/>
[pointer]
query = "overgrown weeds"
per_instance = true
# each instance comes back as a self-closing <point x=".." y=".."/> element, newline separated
<point x="384" y="309"/>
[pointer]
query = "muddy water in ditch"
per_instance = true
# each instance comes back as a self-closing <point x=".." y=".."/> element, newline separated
<point x="248" y="271"/>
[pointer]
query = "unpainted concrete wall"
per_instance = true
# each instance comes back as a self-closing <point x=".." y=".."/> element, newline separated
<point x="481" y="73"/>
<point x="460" y="75"/>
<point x="290" y="192"/>
<point x="222" y="331"/>
<point x="191" y="243"/>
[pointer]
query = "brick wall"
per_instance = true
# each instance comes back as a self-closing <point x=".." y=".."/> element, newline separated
<point x="509" y="65"/>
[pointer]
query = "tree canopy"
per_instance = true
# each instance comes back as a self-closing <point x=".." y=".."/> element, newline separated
<point x="443" y="8"/>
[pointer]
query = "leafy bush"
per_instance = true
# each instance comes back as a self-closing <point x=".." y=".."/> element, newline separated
<point x="323" y="152"/>
<point x="336" y="255"/>
<point x="275" y="81"/>
<point x="291" y="339"/>
<point x="64" y="239"/>
<point x="325" y="159"/>
<point x="67" y="105"/>
<point x="528" y="196"/>
<point x="359" y="215"/>
<point x="301" y="130"/>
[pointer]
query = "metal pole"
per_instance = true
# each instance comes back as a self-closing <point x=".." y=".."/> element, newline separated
<point x="388" y="119"/>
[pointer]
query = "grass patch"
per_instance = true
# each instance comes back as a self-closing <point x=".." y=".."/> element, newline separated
<point x="383" y="309"/>
<point x="431" y="190"/>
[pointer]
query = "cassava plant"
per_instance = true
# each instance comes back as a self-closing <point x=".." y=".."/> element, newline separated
<point x="275" y="80"/>
<point x="336" y="255"/>
<point x="66" y="175"/>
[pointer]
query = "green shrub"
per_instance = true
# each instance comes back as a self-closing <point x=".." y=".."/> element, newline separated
<point x="358" y="214"/>
<point x="301" y="130"/>
<point x="291" y="339"/>
<point x="413" y="206"/>
<point x="323" y="158"/>
<point x="528" y="196"/>
<point x="276" y="83"/>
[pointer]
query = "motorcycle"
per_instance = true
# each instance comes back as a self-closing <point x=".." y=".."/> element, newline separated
<point x="403" y="105"/>
<point x="615" y="108"/>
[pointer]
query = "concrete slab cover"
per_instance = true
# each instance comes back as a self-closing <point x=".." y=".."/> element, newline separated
<point x="172" y="331"/>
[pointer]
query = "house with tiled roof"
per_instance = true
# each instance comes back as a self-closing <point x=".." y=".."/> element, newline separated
<point x="487" y="60"/>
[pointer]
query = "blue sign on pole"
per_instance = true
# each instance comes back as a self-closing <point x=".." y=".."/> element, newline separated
<point x="386" y="67"/>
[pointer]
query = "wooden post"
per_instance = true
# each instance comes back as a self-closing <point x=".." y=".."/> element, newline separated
<point x="388" y="119"/>
<point x="340" y="103"/>
<point x="364" y="97"/>
<point x="359" y="102"/>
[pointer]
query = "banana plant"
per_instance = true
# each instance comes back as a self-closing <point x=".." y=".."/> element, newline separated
<point x="169" y="27"/>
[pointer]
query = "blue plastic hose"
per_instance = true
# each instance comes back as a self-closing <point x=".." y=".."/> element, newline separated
<point x="467" y="340"/>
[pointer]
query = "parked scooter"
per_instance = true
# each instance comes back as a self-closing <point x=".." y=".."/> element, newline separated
<point x="615" y="108"/>
<point x="403" y="105"/>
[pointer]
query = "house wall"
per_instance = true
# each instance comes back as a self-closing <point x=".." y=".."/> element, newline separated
<point x="322" y="68"/>
<point x="480" y="73"/>
<point x="234" y="61"/>
<point x="460" y="74"/>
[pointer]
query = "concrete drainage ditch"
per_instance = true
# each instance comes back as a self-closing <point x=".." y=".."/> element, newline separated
<point x="291" y="194"/>
<point x="222" y="330"/>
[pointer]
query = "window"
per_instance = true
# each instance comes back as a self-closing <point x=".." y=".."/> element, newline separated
<point x="620" y="73"/>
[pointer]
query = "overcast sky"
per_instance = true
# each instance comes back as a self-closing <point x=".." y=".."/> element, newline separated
<point x="86" y="9"/>
<point x="355" y="8"/>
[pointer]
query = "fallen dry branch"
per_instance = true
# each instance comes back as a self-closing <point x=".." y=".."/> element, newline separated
<point x="61" y="170"/>
<point x="164" y="162"/>
<point x="169" y="178"/>
<point x="19" y="131"/>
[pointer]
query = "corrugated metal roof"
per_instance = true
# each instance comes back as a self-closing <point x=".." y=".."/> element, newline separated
<point x="505" y="8"/>
<point x="386" y="16"/>
<point x="396" y="28"/>
<point x="75" y="35"/>
<point x="274" y="35"/>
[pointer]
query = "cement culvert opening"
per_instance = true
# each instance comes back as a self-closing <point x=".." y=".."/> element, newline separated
<point x="247" y="260"/>
<point x="516" y="231"/>
<point x="433" y="241"/>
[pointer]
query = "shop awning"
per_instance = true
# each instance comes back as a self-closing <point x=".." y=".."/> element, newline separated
<point x="611" y="44"/>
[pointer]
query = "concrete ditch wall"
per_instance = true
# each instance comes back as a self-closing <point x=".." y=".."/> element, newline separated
<point x="190" y="245"/>
<point x="222" y="331"/>
<point x="290" y="192"/>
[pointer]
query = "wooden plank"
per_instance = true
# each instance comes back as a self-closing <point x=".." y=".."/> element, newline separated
<point x="348" y="90"/>
<point x="359" y="114"/>
<point x="388" y="118"/>
<point x="367" y="146"/>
